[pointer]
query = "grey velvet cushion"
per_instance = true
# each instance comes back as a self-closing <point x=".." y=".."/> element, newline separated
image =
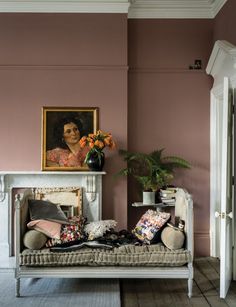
<point x="34" y="239"/>
<point x="46" y="210"/>
<point x="172" y="237"/>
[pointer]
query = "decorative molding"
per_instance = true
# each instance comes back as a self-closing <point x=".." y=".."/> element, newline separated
<point x="218" y="54"/>
<point x="222" y="62"/>
<point x="30" y="178"/>
<point x="90" y="188"/>
<point x="76" y="173"/>
<point x="64" y="67"/>
<point x="2" y="188"/>
<point x="72" y="6"/>
<point x="217" y="6"/>
<point x="175" y="8"/>
<point x="156" y="70"/>
<point x="134" y="8"/>
<point x="170" y="9"/>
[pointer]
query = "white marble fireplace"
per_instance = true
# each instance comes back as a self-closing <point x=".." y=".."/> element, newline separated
<point x="90" y="182"/>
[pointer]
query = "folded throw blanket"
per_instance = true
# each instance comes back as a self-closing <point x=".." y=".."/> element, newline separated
<point x="93" y="244"/>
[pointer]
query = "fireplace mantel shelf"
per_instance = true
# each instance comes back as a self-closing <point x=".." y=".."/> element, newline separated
<point x="2" y="173"/>
<point x="11" y="179"/>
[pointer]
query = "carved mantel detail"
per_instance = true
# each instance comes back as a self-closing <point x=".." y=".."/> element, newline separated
<point x="2" y="188"/>
<point x="87" y="180"/>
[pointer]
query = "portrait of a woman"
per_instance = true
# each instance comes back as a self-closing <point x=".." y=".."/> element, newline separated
<point x="68" y="153"/>
<point x="62" y="147"/>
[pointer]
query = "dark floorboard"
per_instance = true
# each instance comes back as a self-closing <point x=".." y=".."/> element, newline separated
<point x="173" y="292"/>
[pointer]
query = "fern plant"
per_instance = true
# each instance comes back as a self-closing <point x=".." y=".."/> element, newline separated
<point x="153" y="171"/>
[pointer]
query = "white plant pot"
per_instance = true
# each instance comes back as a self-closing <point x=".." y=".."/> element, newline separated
<point x="149" y="198"/>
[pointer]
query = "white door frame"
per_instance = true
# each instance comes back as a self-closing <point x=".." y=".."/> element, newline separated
<point x="215" y="168"/>
<point x="222" y="63"/>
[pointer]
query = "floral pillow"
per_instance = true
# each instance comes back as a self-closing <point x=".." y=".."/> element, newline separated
<point x="150" y="225"/>
<point x="71" y="232"/>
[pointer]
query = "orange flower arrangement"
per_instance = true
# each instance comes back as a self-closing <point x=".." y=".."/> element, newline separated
<point x="97" y="142"/>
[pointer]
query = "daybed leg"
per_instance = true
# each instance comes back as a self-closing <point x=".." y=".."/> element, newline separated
<point x="190" y="280"/>
<point x="17" y="287"/>
<point x="190" y="287"/>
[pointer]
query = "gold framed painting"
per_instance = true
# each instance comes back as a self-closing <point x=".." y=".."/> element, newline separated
<point x="62" y="128"/>
<point x="68" y="198"/>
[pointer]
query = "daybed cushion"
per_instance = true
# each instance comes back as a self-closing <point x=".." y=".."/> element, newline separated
<point x="127" y="255"/>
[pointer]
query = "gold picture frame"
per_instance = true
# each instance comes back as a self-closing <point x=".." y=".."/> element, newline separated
<point x="68" y="198"/>
<point x="62" y="127"/>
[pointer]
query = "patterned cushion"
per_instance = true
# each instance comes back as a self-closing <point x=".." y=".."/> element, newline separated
<point x="149" y="225"/>
<point x="70" y="232"/>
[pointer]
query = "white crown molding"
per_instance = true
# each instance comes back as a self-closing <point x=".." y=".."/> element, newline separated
<point x="175" y="8"/>
<point x="134" y="8"/>
<point x="217" y="6"/>
<point x="60" y="6"/>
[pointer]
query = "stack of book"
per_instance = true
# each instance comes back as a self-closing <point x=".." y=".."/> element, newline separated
<point x="167" y="196"/>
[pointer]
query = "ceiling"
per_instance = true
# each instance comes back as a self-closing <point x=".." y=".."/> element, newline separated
<point x="134" y="8"/>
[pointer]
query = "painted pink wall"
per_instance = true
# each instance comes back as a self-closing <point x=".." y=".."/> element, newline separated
<point x="225" y="23"/>
<point x="63" y="60"/>
<point x="169" y="106"/>
<point x="81" y="60"/>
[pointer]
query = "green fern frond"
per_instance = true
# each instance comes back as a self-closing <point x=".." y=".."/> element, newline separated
<point x="176" y="161"/>
<point x="151" y="170"/>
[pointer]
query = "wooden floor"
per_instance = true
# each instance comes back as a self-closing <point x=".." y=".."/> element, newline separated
<point x="61" y="292"/>
<point x="164" y="293"/>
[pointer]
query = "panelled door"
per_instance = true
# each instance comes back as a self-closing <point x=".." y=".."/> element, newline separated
<point x="226" y="214"/>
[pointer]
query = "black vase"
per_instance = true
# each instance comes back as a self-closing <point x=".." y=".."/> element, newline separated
<point x="96" y="161"/>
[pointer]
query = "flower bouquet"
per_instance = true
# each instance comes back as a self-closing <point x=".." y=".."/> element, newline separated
<point x="96" y="142"/>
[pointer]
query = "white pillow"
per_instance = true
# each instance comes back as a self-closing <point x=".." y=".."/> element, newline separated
<point x="97" y="229"/>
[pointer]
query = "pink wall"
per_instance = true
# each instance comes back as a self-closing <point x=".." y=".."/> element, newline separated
<point x="225" y="23"/>
<point x="63" y="60"/>
<point x="169" y="105"/>
<point x="81" y="60"/>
